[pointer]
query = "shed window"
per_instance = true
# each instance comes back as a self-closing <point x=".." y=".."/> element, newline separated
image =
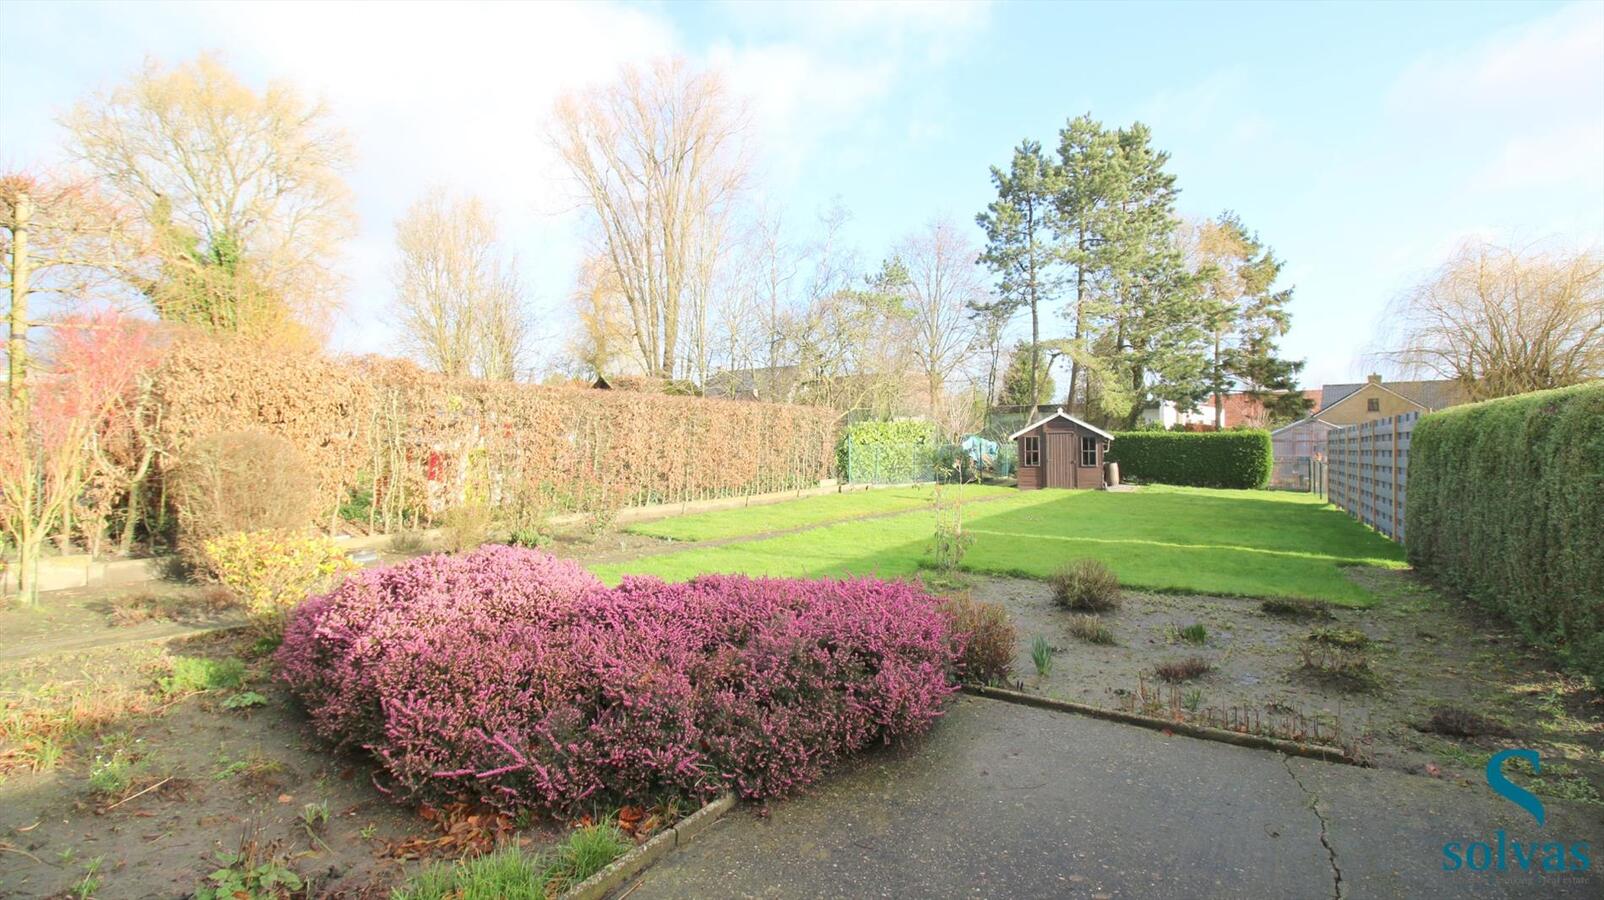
<point x="1373" y="404"/>
<point x="1030" y="452"/>
<point x="1088" y="452"/>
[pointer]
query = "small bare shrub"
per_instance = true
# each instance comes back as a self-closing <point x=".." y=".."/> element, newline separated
<point x="240" y="481"/>
<point x="1343" y="668"/>
<point x="466" y="527"/>
<point x="1300" y="610"/>
<point x="144" y="606"/>
<point x="407" y="542"/>
<point x="1091" y="629"/>
<point x="1456" y="722"/>
<point x="1176" y="671"/>
<point x="1085" y="585"/>
<point x="988" y="639"/>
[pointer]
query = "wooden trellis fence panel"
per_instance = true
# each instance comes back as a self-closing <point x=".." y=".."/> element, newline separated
<point x="1367" y="471"/>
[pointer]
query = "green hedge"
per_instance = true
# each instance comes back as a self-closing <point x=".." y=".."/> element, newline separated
<point x="887" y="452"/>
<point x="1216" y="459"/>
<point x="1506" y="506"/>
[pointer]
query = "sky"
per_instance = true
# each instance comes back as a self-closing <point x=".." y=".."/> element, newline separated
<point x="1363" y="142"/>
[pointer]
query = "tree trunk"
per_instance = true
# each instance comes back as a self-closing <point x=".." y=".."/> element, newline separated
<point x="125" y="544"/>
<point x="1219" y="387"/>
<point x="29" y="546"/>
<point x="1035" y="316"/>
<point x="1080" y="320"/>
<point x="17" y="340"/>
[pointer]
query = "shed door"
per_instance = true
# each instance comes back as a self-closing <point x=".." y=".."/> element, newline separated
<point x="1062" y="447"/>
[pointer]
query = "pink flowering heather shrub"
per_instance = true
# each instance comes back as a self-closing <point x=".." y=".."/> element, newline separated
<point x="510" y="676"/>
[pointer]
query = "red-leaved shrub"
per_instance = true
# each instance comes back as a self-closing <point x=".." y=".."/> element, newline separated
<point x="511" y="676"/>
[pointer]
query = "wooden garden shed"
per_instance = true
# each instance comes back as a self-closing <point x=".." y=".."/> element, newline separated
<point x="1061" y="451"/>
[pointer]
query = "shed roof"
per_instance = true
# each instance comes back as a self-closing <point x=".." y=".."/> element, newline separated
<point x="1062" y="415"/>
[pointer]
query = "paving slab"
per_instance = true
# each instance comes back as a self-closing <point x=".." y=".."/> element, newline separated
<point x="1002" y="800"/>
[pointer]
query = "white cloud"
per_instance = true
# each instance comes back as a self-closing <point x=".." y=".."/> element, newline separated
<point x="459" y="94"/>
<point x="1526" y="104"/>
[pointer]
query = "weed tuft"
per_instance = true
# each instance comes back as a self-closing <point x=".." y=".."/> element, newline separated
<point x="1176" y="671"/>
<point x="1191" y="634"/>
<point x="194" y="674"/>
<point x="1091" y="629"/>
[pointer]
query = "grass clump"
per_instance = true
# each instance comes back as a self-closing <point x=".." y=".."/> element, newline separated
<point x="1085" y="585"/>
<point x="1176" y="671"/>
<point x="1191" y="634"/>
<point x="1091" y="629"/>
<point x="1041" y="654"/>
<point x="193" y="674"/>
<point x="989" y="639"/>
<point x="1297" y="609"/>
<point x="515" y="874"/>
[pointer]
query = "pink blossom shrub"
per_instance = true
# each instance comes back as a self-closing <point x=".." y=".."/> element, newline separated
<point x="510" y="676"/>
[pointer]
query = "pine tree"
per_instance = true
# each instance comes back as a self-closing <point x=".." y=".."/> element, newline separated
<point x="1022" y="372"/>
<point x="1084" y="221"/>
<point x="1019" y="248"/>
<point x="1137" y="306"/>
<point x="1245" y="315"/>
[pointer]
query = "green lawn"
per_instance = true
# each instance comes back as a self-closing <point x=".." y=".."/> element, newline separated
<point x="802" y="513"/>
<point x="1246" y="543"/>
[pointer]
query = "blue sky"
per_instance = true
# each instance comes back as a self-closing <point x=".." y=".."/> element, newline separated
<point x="1362" y="141"/>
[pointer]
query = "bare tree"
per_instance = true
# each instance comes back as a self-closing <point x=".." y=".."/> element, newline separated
<point x="656" y="154"/>
<point x="1503" y="320"/>
<point x="458" y="299"/>
<point x="239" y="189"/>
<point x="942" y="287"/>
<point x="604" y="342"/>
<point x="61" y="242"/>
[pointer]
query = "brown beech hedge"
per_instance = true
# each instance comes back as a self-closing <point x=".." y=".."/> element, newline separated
<point x="413" y="443"/>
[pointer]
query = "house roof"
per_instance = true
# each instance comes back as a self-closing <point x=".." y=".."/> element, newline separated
<point x="1432" y="395"/>
<point x="1062" y="415"/>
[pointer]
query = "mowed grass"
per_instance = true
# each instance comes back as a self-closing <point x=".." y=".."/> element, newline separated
<point x="1242" y="543"/>
<point x="803" y="513"/>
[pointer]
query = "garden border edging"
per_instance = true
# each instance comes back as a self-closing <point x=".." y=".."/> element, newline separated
<point x="1188" y="729"/>
<point x="635" y="861"/>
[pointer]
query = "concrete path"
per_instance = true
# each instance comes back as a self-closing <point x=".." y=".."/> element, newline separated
<point x="1007" y="801"/>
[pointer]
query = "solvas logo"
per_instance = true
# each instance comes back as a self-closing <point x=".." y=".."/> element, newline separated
<point x="1500" y="853"/>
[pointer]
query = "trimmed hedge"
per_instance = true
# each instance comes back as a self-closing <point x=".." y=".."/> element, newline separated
<point x="1214" y="459"/>
<point x="887" y="452"/>
<point x="1506" y="506"/>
